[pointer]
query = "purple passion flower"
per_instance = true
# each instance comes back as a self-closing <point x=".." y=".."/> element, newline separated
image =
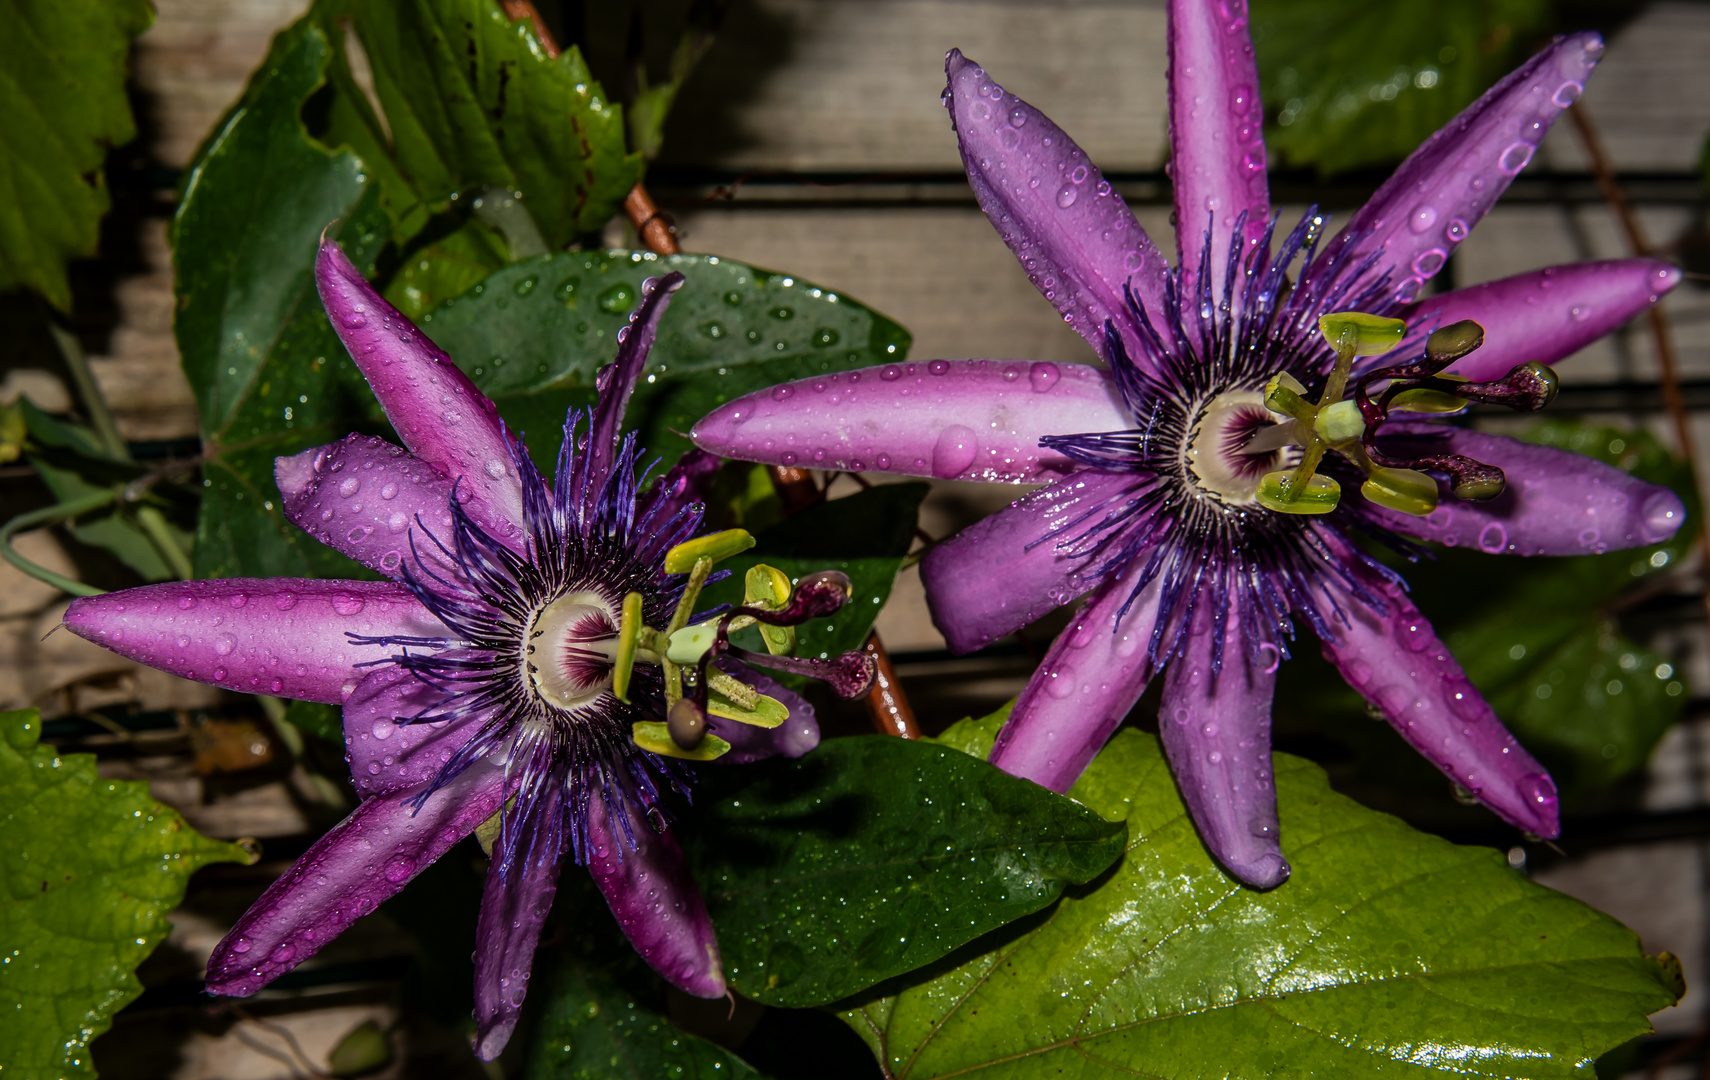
<point x="480" y="676"/>
<point x="1187" y="491"/>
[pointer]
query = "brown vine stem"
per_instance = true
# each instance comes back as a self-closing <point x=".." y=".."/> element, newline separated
<point x="1673" y="399"/>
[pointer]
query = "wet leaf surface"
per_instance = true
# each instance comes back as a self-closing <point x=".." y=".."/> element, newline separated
<point x="1387" y="953"/>
<point x="872" y="856"/>
<point x="89" y="869"/>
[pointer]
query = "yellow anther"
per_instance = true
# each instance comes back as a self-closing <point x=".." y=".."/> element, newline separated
<point x="654" y="737"/>
<point x="1319" y="496"/>
<point x="720" y="545"/>
<point x="1406" y="491"/>
<point x="689" y="644"/>
<point x="1359" y="334"/>
<point x="1427" y="401"/>
<point x="768" y="712"/>
<point x="629" y="632"/>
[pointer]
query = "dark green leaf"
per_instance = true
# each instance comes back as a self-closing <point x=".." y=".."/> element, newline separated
<point x="271" y="376"/>
<point x="1350" y="83"/>
<point x="472" y="102"/>
<point x="89" y="869"/>
<point x="864" y="535"/>
<point x="1388" y="953"/>
<point x="551" y="323"/>
<point x="317" y="719"/>
<point x="62" y="92"/>
<point x="872" y="856"/>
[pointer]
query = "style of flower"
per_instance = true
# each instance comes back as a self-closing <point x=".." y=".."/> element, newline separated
<point x="1188" y="494"/>
<point x="481" y="676"/>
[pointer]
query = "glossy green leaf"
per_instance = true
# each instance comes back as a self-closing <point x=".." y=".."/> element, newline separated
<point x="864" y="535"/>
<point x="271" y="376"/>
<point x="472" y="102"/>
<point x="1387" y="953"/>
<point x="1348" y="83"/>
<point x="89" y="869"/>
<point x="870" y="857"/>
<point x="549" y="324"/>
<point x="63" y="65"/>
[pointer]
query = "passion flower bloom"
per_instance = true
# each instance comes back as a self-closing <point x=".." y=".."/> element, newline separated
<point x="480" y="676"/>
<point x="1154" y="465"/>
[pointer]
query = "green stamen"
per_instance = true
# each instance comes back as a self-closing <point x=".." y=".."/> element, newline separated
<point x="655" y="737"/>
<point x="629" y="629"/>
<point x="713" y="547"/>
<point x="1405" y="490"/>
<point x="768" y="587"/>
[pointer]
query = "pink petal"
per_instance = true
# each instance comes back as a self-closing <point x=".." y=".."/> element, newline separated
<point x="617" y="381"/>
<point x="972" y="605"/>
<point x="1217" y="146"/>
<point x="1089" y="680"/>
<point x="1075" y="237"/>
<point x="280" y="636"/>
<point x="1422" y="213"/>
<point x="1547" y="314"/>
<point x="513" y="907"/>
<point x="436" y="410"/>
<point x="951" y="419"/>
<point x="1216" y="730"/>
<point x="364" y="860"/>
<point x="367" y="498"/>
<point x="386" y="756"/>
<point x="655" y="901"/>
<point x="1557" y="502"/>
<point x="1398" y="664"/>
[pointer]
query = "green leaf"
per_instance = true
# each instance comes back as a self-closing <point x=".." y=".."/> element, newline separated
<point x="1349" y="83"/>
<point x="870" y="857"/>
<point x="864" y="535"/>
<point x="270" y="374"/>
<point x="472" y="102"/>
<point x="62" y="91"/>
<point x="1388" y="953"/>
<point x="90" y="869"/>
<point x="594" y="1026"/>
<point x="549" y="324"/>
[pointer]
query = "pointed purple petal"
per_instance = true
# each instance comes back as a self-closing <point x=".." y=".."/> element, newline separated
<point x="1546" y="314"/>
<point x="364" y="860"/>
<point x="617" y="382"/>
<point x="1089" y="680"/>
<point x="513" y="907"/>
<point x="1422" y="213"/>
<point x="1217" y="146"/>
<point x="950" y="419"/>
<point x="986" y="581"/>
<point x="365" y="497"/>
<point x="436" y="410"/>
<point x="279" y="636"/>
<point x="1216" y="730"/>
<point x="387" y="756"/>
<point x="655" y="901"/>
<point x="1076" y="238"/>
<point x="1398" y="664"/>
<point x="1557" y="502"/>
<point x="793" y="738"/>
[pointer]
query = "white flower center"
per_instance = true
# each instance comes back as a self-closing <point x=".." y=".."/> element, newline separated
<point x="568" y="650"/>
<point x="1215" y="452"/>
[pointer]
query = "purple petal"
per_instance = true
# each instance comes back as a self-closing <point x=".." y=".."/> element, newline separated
<point x="362" y="861"/>
<point x="793" y="738"/>
<point x="1546" y="314"/>
<point x="1217" y="146"/>
<point x="1422" y="213"/>
<point x="986" y="581"/>
<point x="689" y="481"/>
<point x="1216" y="730"/>
<point x="950" y="419"/>
<point x="617" y="382"/>
<point x="1557" y="502"/>
<point x="280" y="636"/>
<point x="655" y="901"/>
<point x="365" y="497"/>
<point x="1076" y="238"/>
<point x="387" y="756"/>
<point x="436" y="410"/>
<point x="1398" y="664"/>
<point x="1085" y="686"/>
<point x="513" y="907"/>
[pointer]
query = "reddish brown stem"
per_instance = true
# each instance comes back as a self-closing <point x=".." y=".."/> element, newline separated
<point x="1674" y="401"/>
<point x="886" y="702"/>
